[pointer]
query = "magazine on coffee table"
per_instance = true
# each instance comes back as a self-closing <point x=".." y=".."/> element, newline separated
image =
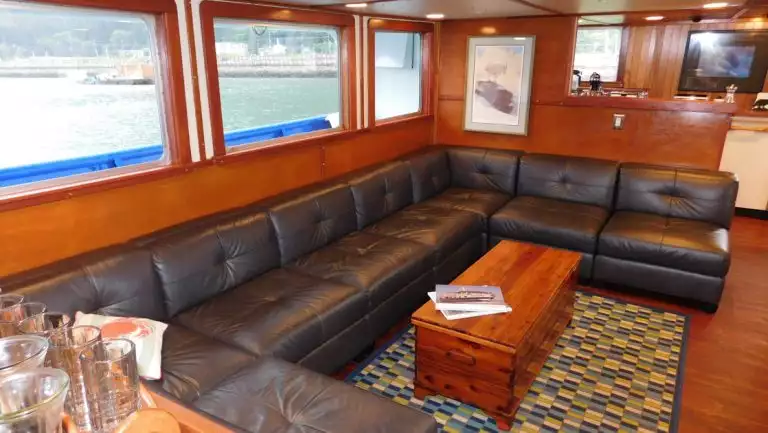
<point x="469" y="298"/>
<point x="454" y="315"/>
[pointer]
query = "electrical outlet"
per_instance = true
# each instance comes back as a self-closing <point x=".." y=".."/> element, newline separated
<point x="618" y="121"/>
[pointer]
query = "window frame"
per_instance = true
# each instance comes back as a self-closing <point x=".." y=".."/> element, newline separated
<point x="173" y="113"/>
<point x="624" y="47"/>
<point x="345" y="24"/>
<point x="427" y="32"/>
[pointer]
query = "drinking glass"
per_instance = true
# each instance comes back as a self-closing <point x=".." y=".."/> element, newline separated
<point x="111" y="378"/>
<point x="32" y="401"/>
<point x="9" y="314"/>
<point x="26" y="310"/>
<point x="64" y="353"/>
<point x="21" y="352"/>
<point x="44" y="323"/>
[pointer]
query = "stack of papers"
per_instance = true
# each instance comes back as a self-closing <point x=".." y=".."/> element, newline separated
<point x="461" y="302"/>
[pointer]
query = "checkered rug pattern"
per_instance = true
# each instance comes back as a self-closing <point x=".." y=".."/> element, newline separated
<point x="617" y="367"/>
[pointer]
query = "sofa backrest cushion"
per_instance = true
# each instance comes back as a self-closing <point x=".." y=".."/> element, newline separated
<point x="381" y="192"/>
<point x="311" y="220"/>
<point x="201" y="262"/>
<point x="702" y="195"/>
<point x="430" y="174"/>
<point x="117" y="281"/>
<point x="579" y="180"/>
<point x="489" y="169"/>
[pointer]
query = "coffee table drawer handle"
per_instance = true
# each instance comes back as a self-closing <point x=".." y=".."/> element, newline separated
<point x="461" y="357"/>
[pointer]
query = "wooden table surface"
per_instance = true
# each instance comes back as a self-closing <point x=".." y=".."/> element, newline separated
<point x="520" y="269"/>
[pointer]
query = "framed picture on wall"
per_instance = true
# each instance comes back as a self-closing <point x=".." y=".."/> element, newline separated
<point x="499" y="74"/>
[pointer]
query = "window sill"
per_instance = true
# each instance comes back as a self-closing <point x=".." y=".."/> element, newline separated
<point x="68" y="190"/>
<point x="401" y="119"/>
<point x="249" y="151"/>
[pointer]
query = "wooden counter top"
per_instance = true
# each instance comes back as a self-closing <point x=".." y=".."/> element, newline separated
<point x="649" y="104"/>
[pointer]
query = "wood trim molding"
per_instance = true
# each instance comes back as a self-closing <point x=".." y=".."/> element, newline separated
<point x="347" y="64"/>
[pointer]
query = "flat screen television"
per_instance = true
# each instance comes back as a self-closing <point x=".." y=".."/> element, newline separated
<point x="716" y="59"/>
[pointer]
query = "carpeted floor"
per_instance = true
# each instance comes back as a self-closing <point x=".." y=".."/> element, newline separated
<point x="617" y="367"/>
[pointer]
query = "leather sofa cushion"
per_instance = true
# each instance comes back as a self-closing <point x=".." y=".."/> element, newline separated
<point x="701" y="195"/>
<point x="280" y="313"/>
<point x="688" y="245"/>
<point x="484" y="169"/>
<point x="382" y="192"/>
<point x="313" y="220"/>
<point x="201" y="262"/>
<point x="481" y="202"/>
<point x="429" y="173"/>
<point x="275" y="396"/>
<point x="378" y="265"/>
<point x="116" y="281"/>
<point x="555" y="223"/>
<point x="442" y="228"/>
<point x="193" y="363"/>
<point x="578" y="180"/>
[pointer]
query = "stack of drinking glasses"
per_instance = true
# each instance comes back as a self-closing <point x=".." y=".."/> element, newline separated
<point x="49" y="367"/>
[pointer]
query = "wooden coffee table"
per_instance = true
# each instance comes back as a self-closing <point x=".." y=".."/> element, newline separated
<point x="491" y="361"/>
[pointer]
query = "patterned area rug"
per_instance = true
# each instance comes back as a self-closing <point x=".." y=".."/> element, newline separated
<point x="617" y="367"/>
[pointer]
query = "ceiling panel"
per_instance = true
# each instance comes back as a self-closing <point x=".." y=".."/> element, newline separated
<point x="602" y="6"/>
<point x="452" y="9"/>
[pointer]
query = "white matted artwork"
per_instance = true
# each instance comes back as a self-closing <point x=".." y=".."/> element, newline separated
<point x="499" y="77"/>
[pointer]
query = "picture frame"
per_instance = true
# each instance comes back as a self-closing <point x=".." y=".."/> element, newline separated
<point x="498" y="88"/>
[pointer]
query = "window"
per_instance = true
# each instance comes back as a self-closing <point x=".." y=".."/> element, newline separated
<point x="599" y="50"/>
<point x="80" y="93"/>
<point x="276" y="80"/>
<point x="398" y="74"/>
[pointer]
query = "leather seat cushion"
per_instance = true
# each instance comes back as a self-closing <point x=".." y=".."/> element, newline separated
<point x="481" y="202"/>
<point x="193" y="363"/>
<point x="280" y="313"/>
<point x="556" y="223"/>
<point x="375" y="264"/>
<point x="276" y="396"/>
<point x="442" y="228"/>
<point x="688" y="245"/>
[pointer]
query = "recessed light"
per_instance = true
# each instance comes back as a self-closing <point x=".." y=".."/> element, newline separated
<point x="356" y="5"/>
<point x="717" y="5"/>
<point x="654" y="18"/>
<point x="519" y="39"/>
<point x="435" y="16"/>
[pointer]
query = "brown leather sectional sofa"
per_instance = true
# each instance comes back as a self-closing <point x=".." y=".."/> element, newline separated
<point x="262" y="299"/>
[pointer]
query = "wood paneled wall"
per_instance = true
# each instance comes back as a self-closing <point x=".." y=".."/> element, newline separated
<point x="652" y="136"/>
<point x="655" y="57"/>
<point x="36" y="235"/>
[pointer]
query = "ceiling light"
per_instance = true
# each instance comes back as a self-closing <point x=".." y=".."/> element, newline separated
<point x="715" y="5"/>
<point x="356" y="5"/>
<point x="654" y="18"/>
<point x="435" y="16"/>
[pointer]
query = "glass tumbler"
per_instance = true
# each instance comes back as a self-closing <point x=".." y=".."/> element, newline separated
<point x="66" y="344"/>
<point x="21" y="352"/>
<point x="9" y="314"/>
<point x="111" y="378"/>
<point x="44" y="323"/>
<point x="32" y="401"/>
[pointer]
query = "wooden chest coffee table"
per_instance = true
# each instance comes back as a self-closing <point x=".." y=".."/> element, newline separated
<point x="491" y="361"/>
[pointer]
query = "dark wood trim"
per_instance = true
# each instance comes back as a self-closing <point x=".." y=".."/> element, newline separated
<point x="370" y="61"/>
<point x="623" y="55"/>
<point x="752" y="213"/>
<point x="174" y="104"/>
<point x="400" y="26"/>
<point x="347" y="67"/>
<point x="402" y="118"/>
<point x="646" y="104"/>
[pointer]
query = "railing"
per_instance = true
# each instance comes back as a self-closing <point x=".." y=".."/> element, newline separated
<point x="70" y="167"/>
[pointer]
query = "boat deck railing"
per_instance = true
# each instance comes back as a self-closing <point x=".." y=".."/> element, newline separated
<point x="70" y="167"/>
